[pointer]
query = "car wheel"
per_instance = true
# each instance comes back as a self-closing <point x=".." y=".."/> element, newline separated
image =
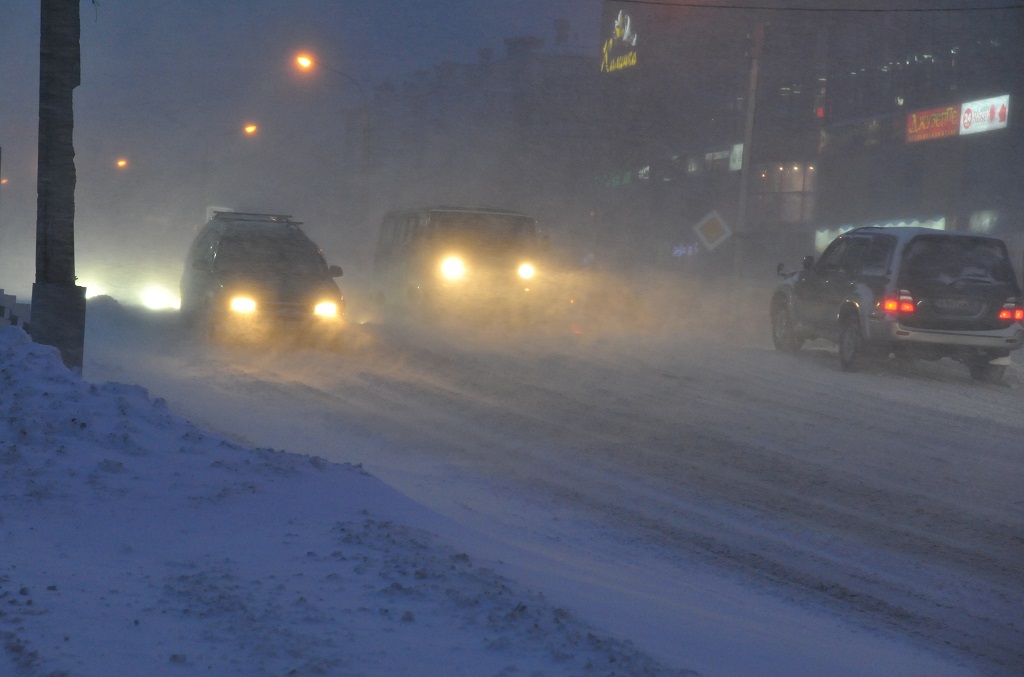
<point x="851" y="345"/>
<point x="783" y="336"/>
<point x="985" y="372"/>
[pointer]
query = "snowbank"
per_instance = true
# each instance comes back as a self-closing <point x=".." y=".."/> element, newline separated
<point x="135" y="543"/>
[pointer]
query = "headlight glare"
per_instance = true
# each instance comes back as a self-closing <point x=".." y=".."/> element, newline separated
<point x="155" y="297"/>
<point x="527" y="271"/>
<point x="452" y="268"/>
<point x="326" y="309"/>
<point x="243" y="304"/>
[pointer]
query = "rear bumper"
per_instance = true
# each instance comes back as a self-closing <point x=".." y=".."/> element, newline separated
<point x="1003" y="340"/>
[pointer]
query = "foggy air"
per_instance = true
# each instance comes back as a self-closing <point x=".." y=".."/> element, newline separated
<point x="694" y="326"/>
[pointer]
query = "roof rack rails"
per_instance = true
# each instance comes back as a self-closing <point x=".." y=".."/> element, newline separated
<point x="254" y="216"/>
<point x="472" y="208"/>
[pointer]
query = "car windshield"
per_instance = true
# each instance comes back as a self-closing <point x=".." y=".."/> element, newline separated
<point x="947" y="260"/>
<point x="485" y="229"/>
<point x="268" y="253"/>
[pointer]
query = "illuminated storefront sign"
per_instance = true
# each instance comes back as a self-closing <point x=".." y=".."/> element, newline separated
<point x="973" y="117"/>
<point x="933" y="124"/>
<point x="984" y="115"/>
<point x="624" y="178"/>
<point x="824" y="236"/>
<point x="730" y="159"/>
<point x="736" y="158"/>
<point x="619" y="51"/>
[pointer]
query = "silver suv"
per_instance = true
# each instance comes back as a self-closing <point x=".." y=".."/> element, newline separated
<point x="912" y="292"/>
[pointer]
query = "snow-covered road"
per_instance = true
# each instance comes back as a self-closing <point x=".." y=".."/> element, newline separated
<point x="892" y="499"/>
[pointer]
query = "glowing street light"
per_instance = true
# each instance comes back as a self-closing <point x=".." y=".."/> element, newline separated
<point x="239" y="129"/>
<point x="307" y="62"/>
<point x="121" y="163"/>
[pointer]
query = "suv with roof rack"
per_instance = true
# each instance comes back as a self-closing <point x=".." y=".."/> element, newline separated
<point x="257" y="276"/>
<point x="909" y="291"/>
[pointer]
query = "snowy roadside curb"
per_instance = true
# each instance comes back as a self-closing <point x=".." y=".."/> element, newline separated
<point x="139" y="544"/>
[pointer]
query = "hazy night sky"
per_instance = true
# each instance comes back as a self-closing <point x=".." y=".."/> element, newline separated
<point x="167" y="83"/>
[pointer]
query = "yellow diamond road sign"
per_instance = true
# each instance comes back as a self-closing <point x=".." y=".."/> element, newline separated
<point x="712" y="230"/>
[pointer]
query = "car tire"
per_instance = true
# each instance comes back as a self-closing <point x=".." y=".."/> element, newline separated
<point x="783" y="336"/>
<point x="852" y="349"/>
<point x="982" y="371"/>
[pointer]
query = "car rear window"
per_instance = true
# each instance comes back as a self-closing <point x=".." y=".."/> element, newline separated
<point x="946" y="260"/>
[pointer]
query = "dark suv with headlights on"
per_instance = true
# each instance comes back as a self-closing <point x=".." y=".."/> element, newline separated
<point x="912" y="292"/>
<point x="258" y="277"/>
<point x="475" y="263"/>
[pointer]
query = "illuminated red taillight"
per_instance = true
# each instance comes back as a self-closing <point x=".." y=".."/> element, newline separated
<point x="1012" y="312"/>
<point x="902" y="303"/>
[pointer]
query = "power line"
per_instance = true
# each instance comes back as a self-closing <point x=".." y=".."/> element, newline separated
<point x="869" y="10"/>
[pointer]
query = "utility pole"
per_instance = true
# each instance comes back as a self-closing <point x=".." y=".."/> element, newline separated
<point x="742" y="231"/>
<point x="58" y="304"/>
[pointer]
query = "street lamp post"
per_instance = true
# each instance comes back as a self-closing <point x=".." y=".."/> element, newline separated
<point x="306" y="62"/>
<point x="249" y="130"/>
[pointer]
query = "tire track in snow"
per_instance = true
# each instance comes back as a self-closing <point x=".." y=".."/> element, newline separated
<point x="892" y="495"/>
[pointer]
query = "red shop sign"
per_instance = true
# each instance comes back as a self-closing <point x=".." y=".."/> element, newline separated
<point x="933" y="124"/>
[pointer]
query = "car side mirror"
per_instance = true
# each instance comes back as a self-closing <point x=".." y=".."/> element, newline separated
<point x="808" y="262"/>
<point x="335" y="271"/>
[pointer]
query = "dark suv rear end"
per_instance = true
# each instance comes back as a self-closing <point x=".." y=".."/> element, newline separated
<point x="957" y="283"/>
<point x="914" y="292"/>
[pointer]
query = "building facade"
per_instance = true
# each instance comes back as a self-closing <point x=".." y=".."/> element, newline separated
<point x="859" y="117"/>
<point x="723" y="140"/>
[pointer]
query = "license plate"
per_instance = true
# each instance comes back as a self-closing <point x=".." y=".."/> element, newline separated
<point x="955" y="305"/>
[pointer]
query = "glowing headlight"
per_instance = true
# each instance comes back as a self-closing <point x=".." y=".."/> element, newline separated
<point x="452" y="268"/>
<point x="527" y="271"/>
<point x="156" y="297"/>
<point x="326" y="309"/>
<point x="93" y="288"/>
<point x="243" y="304"/>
